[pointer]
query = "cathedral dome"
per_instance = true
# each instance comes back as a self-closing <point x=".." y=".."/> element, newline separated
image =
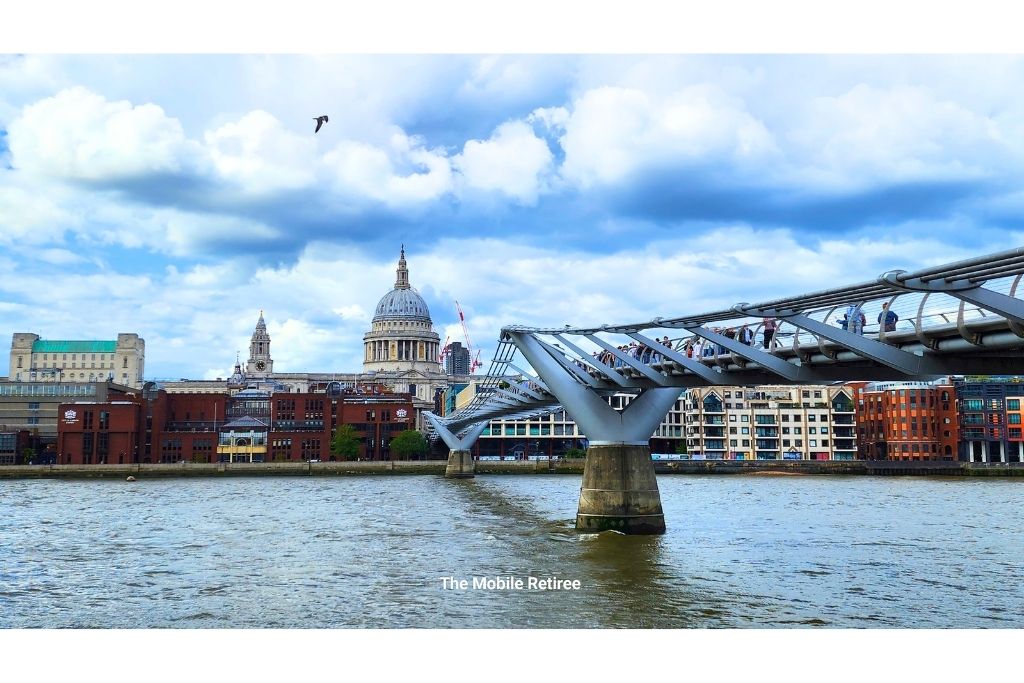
<point x="402" y="336"/>
<point x="402" y="304"/>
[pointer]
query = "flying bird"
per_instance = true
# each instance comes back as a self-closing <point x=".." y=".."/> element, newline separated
<point x="320" y="120"/>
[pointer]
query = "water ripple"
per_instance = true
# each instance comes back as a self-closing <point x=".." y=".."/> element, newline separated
<point x="370" y="552"/>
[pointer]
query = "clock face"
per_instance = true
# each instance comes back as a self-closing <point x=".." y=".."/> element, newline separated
<point x="260" y="365"/>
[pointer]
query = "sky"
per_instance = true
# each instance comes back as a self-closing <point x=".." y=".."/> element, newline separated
<point x="178" y="195"/>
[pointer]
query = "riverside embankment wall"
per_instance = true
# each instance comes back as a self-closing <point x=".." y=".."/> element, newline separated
<point x="483" y="467"/>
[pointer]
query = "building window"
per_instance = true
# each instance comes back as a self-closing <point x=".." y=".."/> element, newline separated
<point x="1013" y="418"/>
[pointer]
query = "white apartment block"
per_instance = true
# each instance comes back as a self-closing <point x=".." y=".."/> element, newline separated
<point x="810" y="422"/>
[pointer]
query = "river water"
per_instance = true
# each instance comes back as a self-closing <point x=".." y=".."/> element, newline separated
<point x="371" y="552"/>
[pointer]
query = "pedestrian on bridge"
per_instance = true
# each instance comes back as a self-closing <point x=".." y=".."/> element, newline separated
<point x="769" y="330"/>
<point x="890" y="318"/>
<point x="855" y="319"/>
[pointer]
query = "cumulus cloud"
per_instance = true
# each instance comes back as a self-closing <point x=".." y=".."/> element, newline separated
<point x="260" y="155"/>
<point x="613" y="132"/>
<point x="513" y="161"/>
<point x="31" y="217"/>
<point x="869" y="135"/>
<point x="79" y="135"/>
<point x="400" y="173"/>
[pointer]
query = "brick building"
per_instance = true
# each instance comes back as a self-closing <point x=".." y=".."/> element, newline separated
<point x="250" y="426"/>
<point x="906" y="421"/>
<point x="16" y="447"/>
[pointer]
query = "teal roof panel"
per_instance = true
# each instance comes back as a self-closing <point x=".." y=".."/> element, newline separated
<point x="69" y="346"/>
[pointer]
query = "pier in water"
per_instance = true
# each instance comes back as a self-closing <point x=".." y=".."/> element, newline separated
<point x="391" y="552"/>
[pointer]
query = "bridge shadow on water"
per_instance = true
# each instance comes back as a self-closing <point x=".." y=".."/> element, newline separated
<point x="626" y="581"/>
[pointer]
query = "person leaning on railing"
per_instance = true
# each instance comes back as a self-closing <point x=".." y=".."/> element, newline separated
<point x="890" y="318"/>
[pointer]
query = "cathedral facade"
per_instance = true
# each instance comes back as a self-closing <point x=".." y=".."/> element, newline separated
<point x="400" y="354"/>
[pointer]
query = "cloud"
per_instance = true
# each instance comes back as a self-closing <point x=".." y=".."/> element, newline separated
<point x="404" y="172"/>
<point x="870" y="135"/>
<point x="259" y="155"/>
<point x="613" y="132"/>
<point x="29" y="217"/>
<point x="513" y="162"/>
<point x="79" y="135"/>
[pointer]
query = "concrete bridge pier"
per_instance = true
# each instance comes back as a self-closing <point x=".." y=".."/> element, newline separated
<point x="619" y="490"/>
<point x="460" y="459"/>
<point x="460" y="465"/>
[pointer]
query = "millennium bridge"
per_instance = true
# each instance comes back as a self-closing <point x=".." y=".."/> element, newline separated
<point x="959" y="318"/>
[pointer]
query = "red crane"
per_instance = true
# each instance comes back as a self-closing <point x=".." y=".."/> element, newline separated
<point x="475" y="360"/>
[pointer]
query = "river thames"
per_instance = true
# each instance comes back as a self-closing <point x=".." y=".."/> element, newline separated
<point x="374" y="552"/>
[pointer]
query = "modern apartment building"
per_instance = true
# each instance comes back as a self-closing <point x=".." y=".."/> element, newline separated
<point x="771" y="423"/>
<point x="990" y="418"/>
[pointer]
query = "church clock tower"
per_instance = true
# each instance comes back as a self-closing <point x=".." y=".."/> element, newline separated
<point x="260" y="364"/>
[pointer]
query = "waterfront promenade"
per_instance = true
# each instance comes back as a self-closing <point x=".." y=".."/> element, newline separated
<point x="574" y="466"/>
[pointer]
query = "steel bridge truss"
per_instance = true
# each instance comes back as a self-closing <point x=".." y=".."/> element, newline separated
<point x="958" y="318"/>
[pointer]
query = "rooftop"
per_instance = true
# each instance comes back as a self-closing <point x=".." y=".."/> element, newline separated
<point x="73" y="346"/>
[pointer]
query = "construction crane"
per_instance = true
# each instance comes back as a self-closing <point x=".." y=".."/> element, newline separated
<point x="444" y="351"/>
<point x="474" y="362"/>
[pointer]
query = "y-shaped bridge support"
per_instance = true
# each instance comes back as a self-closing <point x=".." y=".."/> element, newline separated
<point x="620" y="490"/>
<point x="460" y="460"/>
